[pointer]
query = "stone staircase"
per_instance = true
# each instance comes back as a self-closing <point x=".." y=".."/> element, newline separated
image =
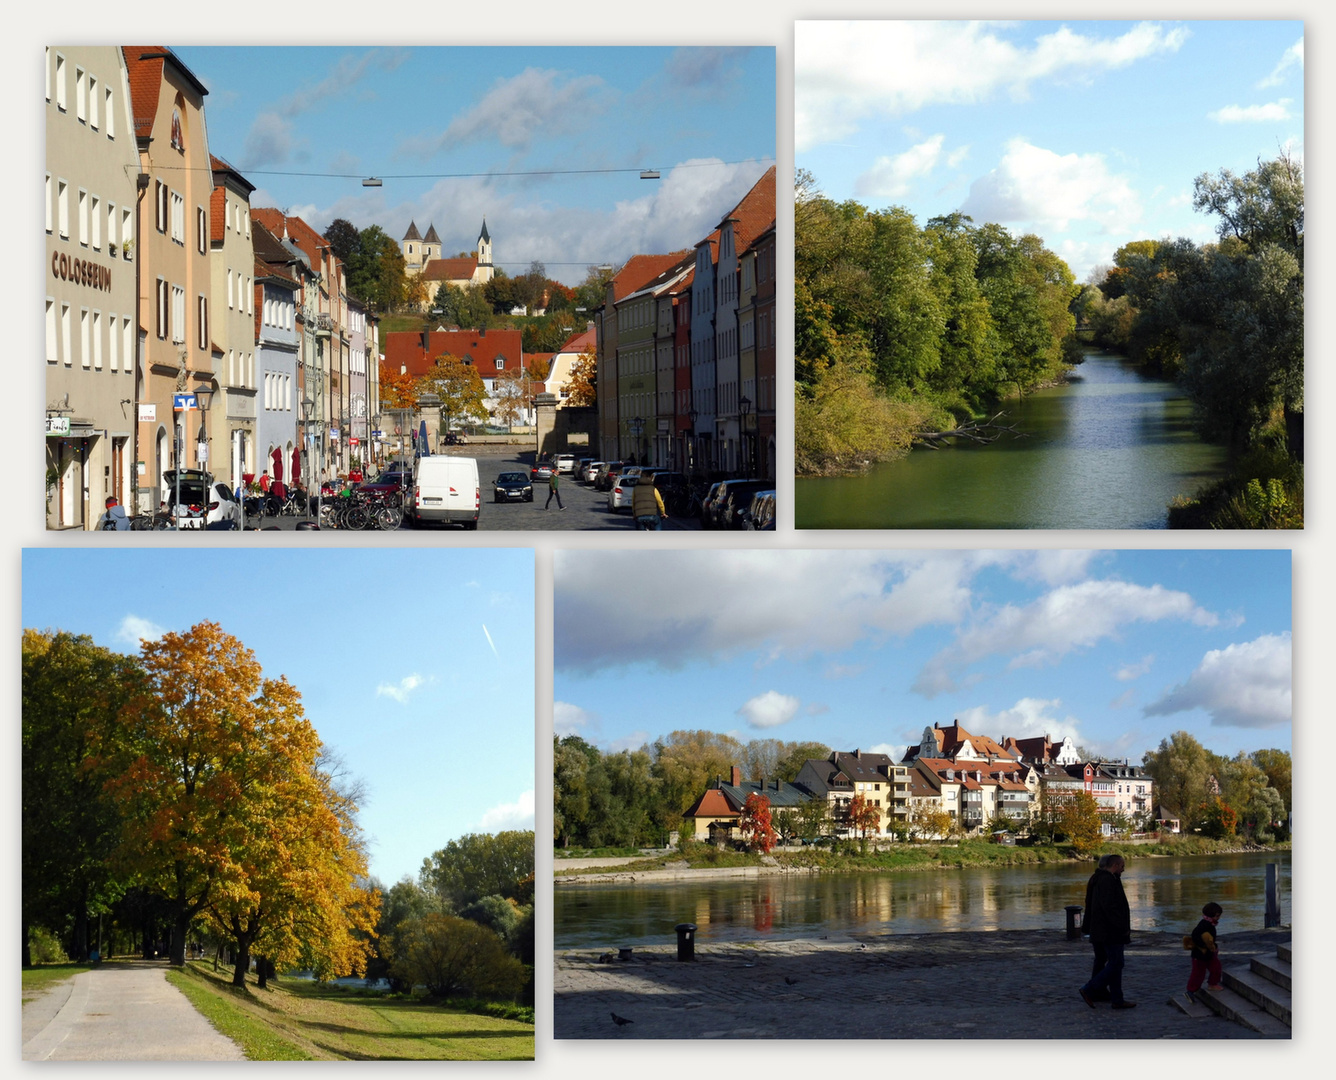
<point x="1258" y="996"/>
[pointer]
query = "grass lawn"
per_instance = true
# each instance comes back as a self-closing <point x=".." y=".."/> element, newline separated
<point x="294" y="1020"/>
<point x="37" y="980"/>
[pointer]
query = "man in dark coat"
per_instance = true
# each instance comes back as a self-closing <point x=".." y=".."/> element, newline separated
<point x="1101" y="954"/>
<point x="1109" y="923"/>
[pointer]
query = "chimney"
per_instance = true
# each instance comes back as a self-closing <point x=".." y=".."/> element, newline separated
<point x="736" y="776"/>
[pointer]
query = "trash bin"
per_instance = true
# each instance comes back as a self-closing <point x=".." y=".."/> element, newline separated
<point x="686" y="941"/>
<point x="1073" y="922"/>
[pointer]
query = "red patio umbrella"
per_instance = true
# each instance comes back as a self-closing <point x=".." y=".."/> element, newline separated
<point x="296" y="464"/>
<point x="278" y="464"/>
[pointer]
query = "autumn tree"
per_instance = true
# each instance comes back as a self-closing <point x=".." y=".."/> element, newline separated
<point x="928" y="821"/>
<point x="754" y="823"/>
<point x="581" y="386"/>
<point x="787" y="823"/>
<point x="459" y="386"/>
<point x="1215" y="818"/>
<point x="508" y="391"/>
<point x="398" y="389"/>
<point x="863" y="817"/>
<point x="813" y="818"/>
<point x="684" y="764"/>
<point x="1279" y="771"/>
<point x="1181" y="768"/>
<point x="796" y="755"/>
<point x="193" y="764"/>
<point x="448" y="955"/>
<point x="1080" y="821"/>
<point x="72" y="691"/>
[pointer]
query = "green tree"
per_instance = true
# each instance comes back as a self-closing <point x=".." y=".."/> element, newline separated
<point x="1215" y="818"/>
<point x="459" y="386"/>
<point x="813" y="818"/>
<point x="928" y="821"/>
<point x="450" y="955"/>
<point x="406" y="900"/>
<point x="73" y="692"/>
<point x="478" y="865"/>
<point x="592" y="293"/>
<point x="684" y="763"/>
<point x="1279" y="771"/>
<point x="1181" y="768"/>
<point x="796" y="755"/>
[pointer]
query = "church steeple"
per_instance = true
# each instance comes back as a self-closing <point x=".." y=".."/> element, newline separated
<point x="485" y="270"/>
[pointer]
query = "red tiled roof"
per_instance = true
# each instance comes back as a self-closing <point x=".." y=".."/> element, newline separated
<point x="755" y="213"/>
<point x="712" y="804"/>
<point x="146" y="82"/>
<point x="450" y="269"/>
<point x="403" y="349"/>
<point x="585" y="339"/>
<point x="217" y="221"/>
<point x="639" y="271"/>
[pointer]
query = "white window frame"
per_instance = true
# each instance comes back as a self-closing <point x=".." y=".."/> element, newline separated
<point x="179" y="218"/>
<point x="80" y="95"/>
<point x="50" y="213"/>
<point x="113" y="358"/>
<point x="111" y="229"/>
<point x="52" y="341"/>
<point x="95" y="217"/>
<point x="83" y="217"/>
<point x="127" y="232"/>
<point x="92" y="102"/>
<point x="178" y="315"/>
<point x="97" y="340"/>
<point x="127" y="343"/>
<point x="160" y="201"/>
<point x="62" y="101"/>
<point x="85" y="345"/>
<point x="110" y="102"/>
<point x="202" y="309"/>
<point x="202" y="228"/>
<point x="229" y="290"/>
<point x="163" y="309"/>
<point x="65" y="334"/>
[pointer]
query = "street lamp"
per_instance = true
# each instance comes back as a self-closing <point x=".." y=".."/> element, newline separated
<point x="744" y="407"/>
<point x="691" y="443"/>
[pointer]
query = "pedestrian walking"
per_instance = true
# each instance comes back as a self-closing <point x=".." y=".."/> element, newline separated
<point x="1205" y="951"/>
<point x="647" y="505"/>
<point x="1101" y="954"/>
<point x="552" y="491"/>
<point x="1109" y="922"/>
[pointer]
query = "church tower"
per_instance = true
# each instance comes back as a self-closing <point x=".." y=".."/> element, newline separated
<point x="412" y="248"/>
<point x="485" y="270"/>
<point x="431" y="246"/>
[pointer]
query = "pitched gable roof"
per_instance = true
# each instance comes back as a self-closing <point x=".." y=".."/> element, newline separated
<point x="450" y="269"/>
<point x="754" y="213"/>
<point x="412" y="233"/>
<point x="146" y="66"/>
<point x="714" y="803"/>
<point x="431" y="237"/>
<point x="639" y="270"/>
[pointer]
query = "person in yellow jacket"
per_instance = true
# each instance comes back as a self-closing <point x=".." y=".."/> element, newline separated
<point x="647" y="505"/>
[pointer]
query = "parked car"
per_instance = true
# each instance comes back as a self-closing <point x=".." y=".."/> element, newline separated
<point x="512" y="487"/>
<point x="542" y="470"/>
<point x="580" y="465"/>
<point x="388" y="482"/>
<point x="607" y="474"/>
<point x="619" y="495"/>
<point x="707" y="506"/>
<point x="205" y="503"/>
<point x="760" y="515"/>
<point x="564" y="463"/>
<point x="591" y="470"/>
<point x="674" y="490"/>
<point x="734" y="498"/>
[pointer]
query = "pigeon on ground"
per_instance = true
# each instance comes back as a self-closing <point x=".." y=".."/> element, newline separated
<point x="621" y="1021"/>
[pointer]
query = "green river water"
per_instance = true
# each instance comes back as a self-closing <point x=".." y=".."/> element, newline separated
<point x="1109" y="449"/>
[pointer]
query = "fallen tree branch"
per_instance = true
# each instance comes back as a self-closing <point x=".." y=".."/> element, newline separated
<point x="976" y="431"/>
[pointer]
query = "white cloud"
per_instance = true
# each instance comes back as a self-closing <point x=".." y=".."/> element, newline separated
<point x="568" y="719"/>
<point x="400" y="692"/>
<point x="1244" y="685"/>
<point x="1252" y="114"/>
<point x="1123" y="700"/>
<point x="1291" y="57"/>
<point x="516" y="815"/>
<point x="634" y="741"/>
<point x="269" y="141"/>
<point x="516" y="111"/>
<point x="893" y="751"/>
<point x="1027" y="719"/>
<point x="846" y="71"/>
<point x="1128" y="672"/>
<point x="843" y="671"/>
<point x="133" y="630"/>
<point x="691" y="605"/>
<point x="1055" y="567"/>
<point x="1049" y="191"/>
<point x="890" y="177"/>
<point x="1065" y="619"/>
<point x="768" y="710"/>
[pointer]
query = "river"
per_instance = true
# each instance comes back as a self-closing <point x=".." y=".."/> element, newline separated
<point x="1108" y="449"/>
<point x="1164" y="893"/>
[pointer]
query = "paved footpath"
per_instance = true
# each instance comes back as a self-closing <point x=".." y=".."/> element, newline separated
<point x="977" y="985"/>
<point x="120" y="1012"/>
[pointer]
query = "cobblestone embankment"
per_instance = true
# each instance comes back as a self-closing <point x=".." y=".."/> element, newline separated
<point x="976" y="985"/>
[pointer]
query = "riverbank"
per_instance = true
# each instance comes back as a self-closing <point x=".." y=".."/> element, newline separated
<point x="969" y="985"/>
<point x="708" y="863"/>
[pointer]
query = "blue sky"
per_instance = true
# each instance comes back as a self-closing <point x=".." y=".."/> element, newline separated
<point x="416" y="666"/>
<point x="864" y="649"/>
<point x="704" y="117"/>
<point x="1089" y="134"/>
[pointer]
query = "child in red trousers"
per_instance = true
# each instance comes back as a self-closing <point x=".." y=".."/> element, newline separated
<point x="1206" y="950"/>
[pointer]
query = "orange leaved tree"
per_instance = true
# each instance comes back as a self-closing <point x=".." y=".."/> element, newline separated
<point x="863" y="817"/>
<point x="754" y="823"/>
<point x="223" y="807"/>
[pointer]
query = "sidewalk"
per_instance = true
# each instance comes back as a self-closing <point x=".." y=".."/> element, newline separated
<point x="125" y="1011"/>
<point x="978" y="985"/>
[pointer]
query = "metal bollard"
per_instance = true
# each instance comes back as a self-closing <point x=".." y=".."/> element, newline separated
<point x="1073" y="922"/>
<point x="686" y="941"/>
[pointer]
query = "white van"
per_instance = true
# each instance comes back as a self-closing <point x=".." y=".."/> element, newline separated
<point x="446" y="489"/>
